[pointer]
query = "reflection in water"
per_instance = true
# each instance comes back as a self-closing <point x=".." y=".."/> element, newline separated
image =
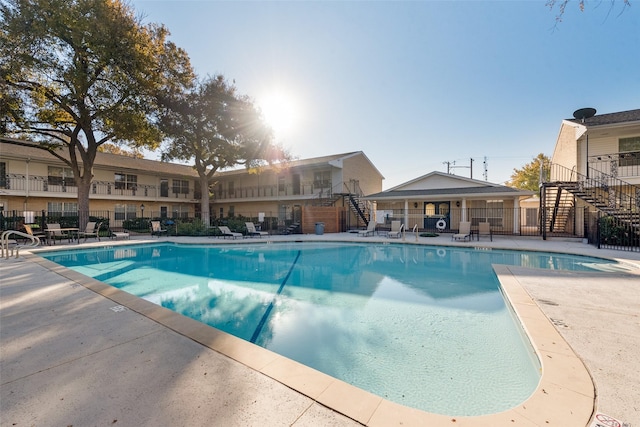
<point x="423" y="326"/>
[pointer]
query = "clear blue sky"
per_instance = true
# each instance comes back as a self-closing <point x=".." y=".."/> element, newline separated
<point x="414" y="84"/>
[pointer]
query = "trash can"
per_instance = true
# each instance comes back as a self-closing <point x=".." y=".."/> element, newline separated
<point x="319" y="228"/>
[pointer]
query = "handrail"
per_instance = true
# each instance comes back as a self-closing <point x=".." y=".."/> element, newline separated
<point x="415" y="230"/>
<point x="601" y="184"/>
<point x="5" y="242"/>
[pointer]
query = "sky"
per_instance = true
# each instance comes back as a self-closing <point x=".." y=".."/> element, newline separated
<point x="416" y="84"/>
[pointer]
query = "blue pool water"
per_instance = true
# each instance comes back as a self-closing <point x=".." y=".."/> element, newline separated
<point x="423" y="326"/>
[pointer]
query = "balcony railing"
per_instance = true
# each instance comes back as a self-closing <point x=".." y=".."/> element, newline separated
<point x="272" y="191"/>
<point x="617" y="165"/>
<point x="40" y="184"/>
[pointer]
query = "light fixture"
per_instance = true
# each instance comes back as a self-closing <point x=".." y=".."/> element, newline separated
<point x="415" y="204"/>
<point x="457" y="204"/>
<point x="142" y="208"/>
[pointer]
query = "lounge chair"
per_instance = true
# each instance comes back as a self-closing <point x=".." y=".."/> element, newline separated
<point x="396" y="230"/>
<point x="371" y="229"/>
<point x="464" y="231"/>
<point x="252" y="231"/>
<point x="90" y="231"/>
<point x="484" y="229"/>
<point x="228" y="233"/>
<point x="124" y="234"/>
<point x="156" y="229"/>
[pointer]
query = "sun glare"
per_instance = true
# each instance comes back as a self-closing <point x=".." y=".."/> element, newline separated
<point x="279" y="112"/>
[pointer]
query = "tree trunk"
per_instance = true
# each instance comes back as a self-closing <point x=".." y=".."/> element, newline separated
<point x="204" y="201"/>
<point x="84" y="187"/>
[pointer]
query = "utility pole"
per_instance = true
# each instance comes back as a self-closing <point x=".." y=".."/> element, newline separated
<point x="471" y="167"/>
<point x="448" y="166"/>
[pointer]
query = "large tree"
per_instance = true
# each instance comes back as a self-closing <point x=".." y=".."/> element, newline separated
<point x="560" y="6"/>
<point x="77" y="74"/>
<point x="216" y="128"/>
<point x="528" y="178"/>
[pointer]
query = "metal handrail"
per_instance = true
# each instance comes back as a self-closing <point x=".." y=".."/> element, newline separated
<point x="6" y="249"/>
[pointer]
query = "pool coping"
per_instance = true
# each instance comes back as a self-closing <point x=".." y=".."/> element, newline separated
<point x="565" y="395"/>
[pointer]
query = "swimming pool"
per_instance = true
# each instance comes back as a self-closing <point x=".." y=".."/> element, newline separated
<point x="423" y="326"/>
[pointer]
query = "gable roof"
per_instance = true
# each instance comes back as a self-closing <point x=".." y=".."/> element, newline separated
<point x="437" y="184"/>
<point x="609" y="119"/>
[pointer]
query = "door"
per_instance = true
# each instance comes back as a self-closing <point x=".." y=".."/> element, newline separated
<point x="435" y="213"/>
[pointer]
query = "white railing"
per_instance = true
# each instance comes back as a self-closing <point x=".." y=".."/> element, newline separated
<point x="7" y="244"/>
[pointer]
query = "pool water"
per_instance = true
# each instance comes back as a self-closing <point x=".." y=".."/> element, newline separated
<point x="422" y="326"/>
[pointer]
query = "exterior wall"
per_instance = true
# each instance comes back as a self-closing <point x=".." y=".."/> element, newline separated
<point x="358" y="168"/>
<point x="566" y="150"/>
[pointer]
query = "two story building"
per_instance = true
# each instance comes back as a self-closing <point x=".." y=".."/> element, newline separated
<point x="595" y="173"/>
<point x="33" y="181"/>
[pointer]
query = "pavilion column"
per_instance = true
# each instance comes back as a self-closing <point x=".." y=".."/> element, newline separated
<point x="463" y="215"/>
<point x="406" y="212"/>
<point x="516" y="215"/>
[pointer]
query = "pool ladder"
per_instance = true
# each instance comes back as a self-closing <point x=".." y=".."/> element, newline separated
<point x="7" y="244"/>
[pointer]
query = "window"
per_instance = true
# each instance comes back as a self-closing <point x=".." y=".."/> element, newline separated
<point x="179" y="211"/>
<point x="232" y="188"/>
<point x="163" y="209"/>
<point x="232" y="211"/>
<point x="487" y="211"/>
<point x="62" y="209"/>
<point x="3" y="175"/>
<point x="122" y="212"/>
<point x="126" y="182"/>
<point x="164" y="187"/>
<point x="60" y="176"/>
<point x="629" y="149"/>
<point x="281" y="184"/>
<point x="180" y="186"/>
<point x="322" y="179"/>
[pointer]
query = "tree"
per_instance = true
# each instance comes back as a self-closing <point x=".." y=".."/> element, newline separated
<point x="77" y="74"/>
<point x="528" y="178"/>
<point x="116" y="149"/>
<point x="215" y="128"/>
<point x="561" y="6"/>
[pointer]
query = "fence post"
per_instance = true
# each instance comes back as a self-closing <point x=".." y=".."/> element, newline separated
<point x="598" y="230"/>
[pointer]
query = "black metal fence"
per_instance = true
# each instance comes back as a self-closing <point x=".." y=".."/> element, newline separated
<point x="609" y="232"/>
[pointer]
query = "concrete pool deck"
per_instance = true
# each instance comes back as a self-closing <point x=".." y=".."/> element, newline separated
<point x="77" y="352"/>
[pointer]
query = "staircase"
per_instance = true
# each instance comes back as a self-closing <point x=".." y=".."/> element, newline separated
<point x="351" y="199"/>
<point x="611" y="196"/>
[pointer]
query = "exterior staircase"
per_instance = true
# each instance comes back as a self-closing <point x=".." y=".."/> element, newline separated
<point x="610" y="196"/>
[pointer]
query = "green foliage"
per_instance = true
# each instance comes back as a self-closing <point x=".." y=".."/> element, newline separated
<point x="528" y="178"/>
<point x="612" y="232"/>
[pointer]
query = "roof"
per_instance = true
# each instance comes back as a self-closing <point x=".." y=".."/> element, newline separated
<point x="466" y="191"/>
<point x="103" y="160"/>
<point x="437" y="184"/>
<point x="610" y="118"/>
<point x="319" y="161"/>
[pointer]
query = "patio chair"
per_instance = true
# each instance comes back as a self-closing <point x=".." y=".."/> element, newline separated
<point x="228" y="233"/>
<point x="396" y="229"/>
<point x="124" y="234"/>
<point x="91" y="230"/>
<point x="484" y="229"/>
<point x="157" y="230"/>
<point x="371" y="229"/>
<point x="464" y="231"/>
<point x="253" y="231"/>
<point x="27" y="229"/>
<point x="54" y="232"/>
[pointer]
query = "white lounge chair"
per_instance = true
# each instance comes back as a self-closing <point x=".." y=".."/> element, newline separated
<point x="252" y="231"/>
<point x="228" y="233"/>
<point x="396" y="230"/>
<point x="464" y="231"/>
<point x="371" y="229"/>
<point x="484" y="229"/>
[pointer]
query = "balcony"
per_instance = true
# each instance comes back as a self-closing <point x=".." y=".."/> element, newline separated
<point x="41" y="186"/>
<point x="617" y="165"/>
<point x="306" y="190"/>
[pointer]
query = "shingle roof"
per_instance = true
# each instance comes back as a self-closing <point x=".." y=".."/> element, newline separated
<point x="103" y="160"/>
<point x="498" y="190"/>
<point x="610" y="118"/>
